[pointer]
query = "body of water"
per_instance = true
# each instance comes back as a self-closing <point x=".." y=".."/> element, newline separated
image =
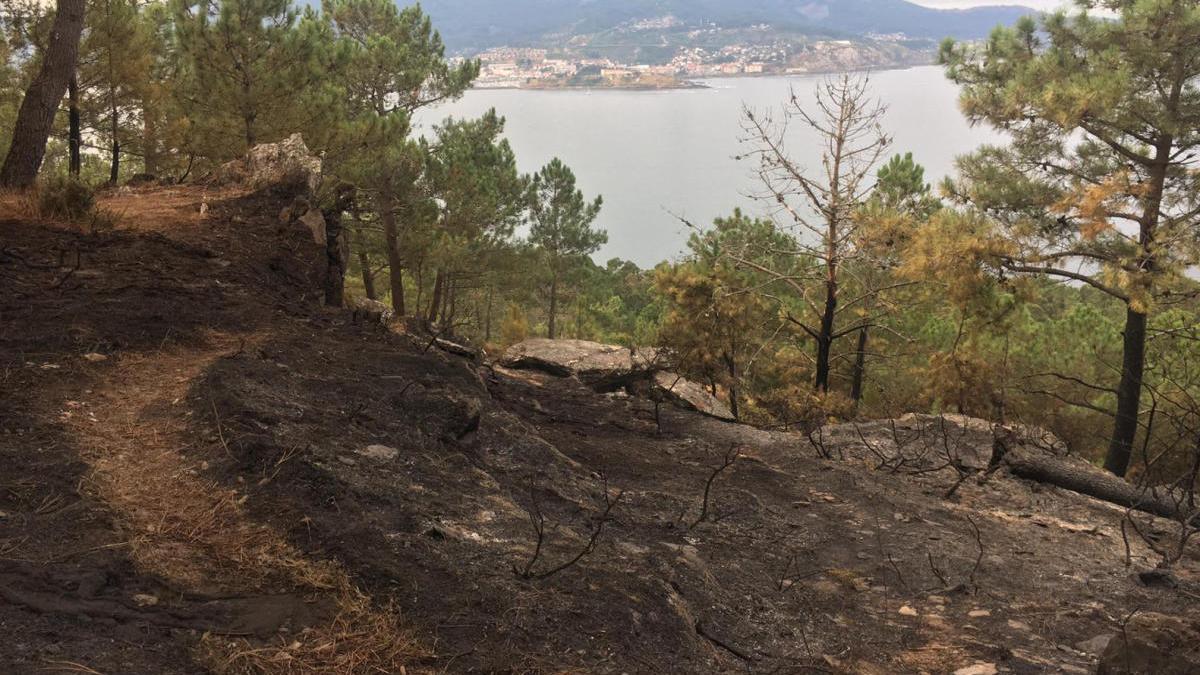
<point x="655" y="155"/>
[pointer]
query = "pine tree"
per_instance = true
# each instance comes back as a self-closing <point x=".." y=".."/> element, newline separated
<point x="36" y="114"/>
<point x="561" y="227"/>
<point x="246" y="72"/>
<point x="821" y="207"/>
<point x="114" y="67"/>
<point x="1099" y="185"/>
<point x="392" y="64"/>
<point x="719" y="312"/>
<point x="472" y="171"/>
<point x="899" y="202"/>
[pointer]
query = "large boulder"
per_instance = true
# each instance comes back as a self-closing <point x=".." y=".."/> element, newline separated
<point x="373" y="311"/>
<point x="609" y="367"/>
<point x="916" y="442"/>
<point x="1153" y="643"/>
<point x="286" y="164"/>
<point x="599" y="365"/>
<point x="691" y="395"/>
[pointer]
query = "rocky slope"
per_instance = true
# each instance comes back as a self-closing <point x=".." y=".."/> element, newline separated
<point x="203" y="468"/>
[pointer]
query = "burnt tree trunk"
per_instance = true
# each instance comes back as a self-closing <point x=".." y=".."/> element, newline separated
<point x="1129" y="393"/>
<point x="860" y="367"/>
<point x="114" y="167"/>
<point x="36" y="115"/>
<point x="368" y="278"/>
<point x="335" y="251"/>
<point x="552" y="328"/>
<point x="391" y="234"/>
<point x="731" y="367"/>
<point x="74" y="131"/>
<point x="487" y="317"/>
<point x="824" y="336"/>
<point x="1133" y="357"/>
<point x="435" y="303"/>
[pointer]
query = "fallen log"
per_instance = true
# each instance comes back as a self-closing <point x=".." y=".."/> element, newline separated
<point x="1079" y="476"/>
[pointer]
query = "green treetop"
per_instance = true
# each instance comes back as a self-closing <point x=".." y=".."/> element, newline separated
<point x="246" y="72"/>
<point x="561" y="226"/>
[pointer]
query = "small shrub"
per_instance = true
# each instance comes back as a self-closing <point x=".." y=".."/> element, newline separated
<point x="514" y="327"/>
<point x="66" y="199"/>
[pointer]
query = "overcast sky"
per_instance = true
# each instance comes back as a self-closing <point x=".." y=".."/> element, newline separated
<point x="958" y="4"/>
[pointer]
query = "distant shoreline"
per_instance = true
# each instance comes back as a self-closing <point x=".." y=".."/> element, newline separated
<point x="684" y="85"/>
<point x="681" y="85"/>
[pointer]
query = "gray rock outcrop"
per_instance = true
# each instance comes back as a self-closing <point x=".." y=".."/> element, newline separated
<point x="610" y="367"/>
<point x="286" y="163"/>
<point x="1153" y="643"/>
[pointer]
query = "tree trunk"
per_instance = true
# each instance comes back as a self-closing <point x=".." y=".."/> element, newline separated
<point x="825" y="335"/>
<point x="552" y="330"/>
<point x="335" y="271"/>
<point x="731" y="366"/>
<point x="1129" y="393"/>
<point x="860" y="367"/>
<point x="36" y="115"/>
<point x="149" y="142"/>
<point x="435" y="303"/>
<point x="1085" y="479"/>
<point x="114" y="168"/>
<point x="387" y="215"/>
<point x="368" y="278"/>
<point x="487" y="319"/>
<point x="451" y="305"/>
<point x="74" y="132"/>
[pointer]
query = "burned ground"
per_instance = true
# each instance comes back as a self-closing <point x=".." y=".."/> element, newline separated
<point x="331" y="449"/>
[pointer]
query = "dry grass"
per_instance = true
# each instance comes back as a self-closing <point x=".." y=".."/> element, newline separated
<point x="19" y="205"/>
<point x="362" y="638"/>
<point x="28" y="205"/>
<point x="133" y="432"/>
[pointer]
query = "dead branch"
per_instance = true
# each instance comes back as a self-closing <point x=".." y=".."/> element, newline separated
<point x="538" y="521"/>
<point x="731" y="456"/>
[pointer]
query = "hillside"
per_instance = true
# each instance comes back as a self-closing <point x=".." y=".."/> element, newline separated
<point x="205" y="471"/>
<point x="479" y="24"/>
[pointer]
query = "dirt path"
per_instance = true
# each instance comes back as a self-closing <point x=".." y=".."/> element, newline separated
<point x="106" y="514"/>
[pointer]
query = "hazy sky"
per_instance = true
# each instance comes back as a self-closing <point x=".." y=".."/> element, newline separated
<point x="956" y="4"/>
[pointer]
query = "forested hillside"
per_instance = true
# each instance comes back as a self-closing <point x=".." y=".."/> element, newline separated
<point x="478" y="24"/>
<point x="286" y="386"/>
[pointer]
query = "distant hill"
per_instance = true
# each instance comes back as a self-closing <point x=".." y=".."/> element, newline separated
<point x="473" y="24"/>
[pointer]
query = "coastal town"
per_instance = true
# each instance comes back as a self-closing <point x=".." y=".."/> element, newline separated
<point x="536" y="68"/>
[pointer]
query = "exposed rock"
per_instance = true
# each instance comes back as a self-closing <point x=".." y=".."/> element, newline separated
<point x="610" y="367"/>
<point x="373" y="311"/>
<point x="922" y="442"/>
<point x="380" y="452"/>
<point x="599" y="365"/>
<point x="691" y="395"/>
<point x="457" y="347"/>
<point x="1153" y="643"/>
<point x="315" y="222"/>
<point x="1096" y="645"/>
<point x="977" y="669"/>
<point x="287" y="163"/>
